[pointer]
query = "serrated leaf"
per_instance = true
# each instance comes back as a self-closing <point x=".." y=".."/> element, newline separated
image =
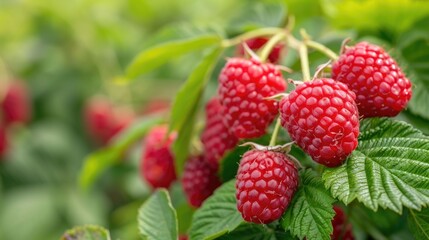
<point x="418" y="222"/>
<point x="88" y="232"/>
<point x="157" y="218"/>
<point x="185" y="106"/>
<point x="104" y="158"/>
<point x="310" y="213"/>
<point x="218" y="215"/>
<point x="390" y="168"/>
<point x="156" y="56"/>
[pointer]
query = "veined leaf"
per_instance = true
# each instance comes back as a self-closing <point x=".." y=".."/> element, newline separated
<point x="157" y="218"/>
<point x="418" y="223"/>
<point x="185" y="106"/>
<point x="390" y="168"/>
<point x="102" y="159"/>
<point x="156" y="56"/>
<point x="251" y="231"/>
<point x="310" y="213"/>
<point x="88" y="232"/>
<point x="218" y="214"/>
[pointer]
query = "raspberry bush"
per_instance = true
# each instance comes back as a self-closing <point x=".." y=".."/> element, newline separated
<point x="278" y="134"/>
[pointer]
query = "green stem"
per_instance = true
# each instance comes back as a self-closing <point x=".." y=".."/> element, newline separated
<point x="275" y="132"/>
<point x="271" y="44"/>
<point x="321" y="48"/>
<point x="305" y="68"/>
<point x="249" y="35"/>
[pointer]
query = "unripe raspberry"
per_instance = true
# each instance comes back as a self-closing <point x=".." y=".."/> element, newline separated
<point x="321" y="116"/>
<point x="266" y="183"/>
<point x="342" y="229"/>
<point x="216" y="137"/>
<point x="15" y="105"/>
<point x="199" y="180"/>
<point x="257" y="43"/>
<point x="3" y="142"/>
<point x="380" y="85"/>
<point x="243" y="85"/>
<point x="157" y="163"/>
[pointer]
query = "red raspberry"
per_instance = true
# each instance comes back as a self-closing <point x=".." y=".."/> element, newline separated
<point x="104" y="121"/>
<point x="216" y="137"/>
<point x="15" y="106"/>
<point x="243" y="86"/>
<point x="342" y="229"/>
<point x="157" y="163"/>
<point x="380" y="85"/>
<point x="3" y="141"/>
<point x="266" y="183"/>
<point x="155" y="106"/>
<point x="199" y="180"/>
<point x="256" y="43"/>
<point x="321" y="116"/>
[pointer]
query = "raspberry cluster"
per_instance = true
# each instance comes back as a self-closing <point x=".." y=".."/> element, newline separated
<point x="321" y="116"/>
<point x="157" y="163"/>
<point x="266" y="182"/>
<point x="15" y="109"/>
<point x="216" y="137"/>
<point x="244" y="86"/>
<point x="380" y="85"/>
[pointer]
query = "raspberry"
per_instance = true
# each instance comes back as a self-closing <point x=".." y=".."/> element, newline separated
<point x="15" y="106"/>
<point x="342" y="229"/>
<point x="266" y="183"/>
<point x="199" y="180"/>
<point x="3" y="142"/>
<point x="104" y="121"/>
<point x="257" y="43"/>
<point x="243" y="86"/>
<point x="321" y="116"/>
<point x="380" y="85"/>
<point x="157" y="163"/>
<point x="216" y="137"/>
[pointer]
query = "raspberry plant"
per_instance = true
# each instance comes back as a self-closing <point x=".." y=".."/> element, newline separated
<point x="341" y="149"/>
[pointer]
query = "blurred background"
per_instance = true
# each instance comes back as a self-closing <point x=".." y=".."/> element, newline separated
<point x="61" y="62"/>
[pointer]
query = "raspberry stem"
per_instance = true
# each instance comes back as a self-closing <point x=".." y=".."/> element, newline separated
<point x="249" y="35"/>
<point x="266" y="50"/>
<point x="275" y="132"/>
<point x="321" y="48"/>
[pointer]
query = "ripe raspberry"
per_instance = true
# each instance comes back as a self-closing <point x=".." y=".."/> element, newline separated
<point x="380" y="85"/>
<point x="321" y="116"/>
<point x="3" y="141"/>
<point x="15" y="106"/>
<point x="157" y="163"/>
<point x="342" y="229"/>
<point x="257" y="43"/>
<point x="266" y="183"/>
<point x="243" y="86"/>
<point x="104" y="121"/>
<point x="216" y="137"/>
<point x="199" y="180"/>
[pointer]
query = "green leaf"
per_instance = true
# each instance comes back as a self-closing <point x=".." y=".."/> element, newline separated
<point x="218" y="215"/>
<point x="251" y="231"/>
<point x="415" y="54"/>
<point x="185" y="106"/>
<point x="157" y="218"/>
<point x="156" y="56"/>
<point x="88" y="232"/>
<point x="252" y="16"/>
<point x="310" y="213"/>
<point x="102" y="159"/>
<point x="229" y="163"/>
<point x="418" y="223"/>
<point x="390" y="168"/>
